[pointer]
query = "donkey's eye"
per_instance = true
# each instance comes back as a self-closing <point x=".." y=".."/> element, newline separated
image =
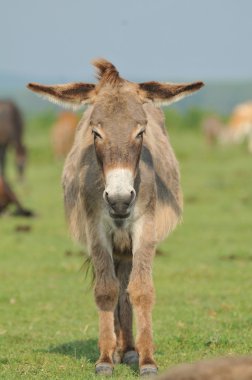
<point x="96" y="134"/>
<point x="140" y="134"/>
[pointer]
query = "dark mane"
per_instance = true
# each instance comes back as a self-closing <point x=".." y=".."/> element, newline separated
<point x="107" y="72"/>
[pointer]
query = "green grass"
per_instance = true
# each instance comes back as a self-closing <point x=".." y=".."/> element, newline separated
<point x="48" y="319"/>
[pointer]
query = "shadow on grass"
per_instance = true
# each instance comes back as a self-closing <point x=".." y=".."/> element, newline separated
<point x="77" y="349"/>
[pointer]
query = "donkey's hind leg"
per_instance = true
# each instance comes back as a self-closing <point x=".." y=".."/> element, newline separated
<point x="125" y="340"/>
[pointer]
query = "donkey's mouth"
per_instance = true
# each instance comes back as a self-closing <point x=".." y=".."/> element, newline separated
<point x="118" y="216"/>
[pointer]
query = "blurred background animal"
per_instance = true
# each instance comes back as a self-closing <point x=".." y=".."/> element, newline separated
<point x="237" y="130"/>
<point x="63" y="133"/>
<point x="232" y="368"/>
<point x="212" y="129"/>
<point x="240" y="124"/>
<point x="11" y="135"/>
<point x="7" y="198"/>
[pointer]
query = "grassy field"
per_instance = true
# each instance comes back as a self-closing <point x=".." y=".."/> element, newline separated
<point x="48" y="319"/>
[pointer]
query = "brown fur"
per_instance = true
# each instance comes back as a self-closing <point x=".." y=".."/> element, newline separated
<point x="107" y="73"/>
<point x="71" y="94"/>
<point x="166" y="91"/>
<point x="122" y="129"/>
<point x="215" y="369"/>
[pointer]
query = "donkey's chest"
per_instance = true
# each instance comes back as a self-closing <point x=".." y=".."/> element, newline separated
<point x="121" y="244"/>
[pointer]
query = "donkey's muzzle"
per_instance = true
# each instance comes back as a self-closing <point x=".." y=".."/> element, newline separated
<point x="120" y="204"/>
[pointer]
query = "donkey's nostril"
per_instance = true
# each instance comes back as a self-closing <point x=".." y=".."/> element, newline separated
<point x="133" y="196"/>
<point x="106" y="196"/>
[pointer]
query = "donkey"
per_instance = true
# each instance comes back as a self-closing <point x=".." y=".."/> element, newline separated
<point x="11" y="134"/>
<point x="122" y="196"/>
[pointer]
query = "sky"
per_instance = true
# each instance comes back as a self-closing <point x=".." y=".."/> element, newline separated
<point x="145" y="39"/>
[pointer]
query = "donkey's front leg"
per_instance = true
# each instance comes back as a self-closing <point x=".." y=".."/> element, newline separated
<point x="141" y="292"/>
<point x="106" y="291"/>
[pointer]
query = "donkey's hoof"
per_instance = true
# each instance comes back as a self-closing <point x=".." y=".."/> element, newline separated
<point x="131" y="358"/>
<point x="104" y="369"/>
<point x="148" y="370"/>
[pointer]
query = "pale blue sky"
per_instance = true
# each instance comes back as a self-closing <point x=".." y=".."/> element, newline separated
<point x="145" y="39"/>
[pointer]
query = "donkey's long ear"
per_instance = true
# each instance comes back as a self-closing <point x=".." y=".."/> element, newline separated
<point x="72" y="95"/>
<point x="167" y="93"/>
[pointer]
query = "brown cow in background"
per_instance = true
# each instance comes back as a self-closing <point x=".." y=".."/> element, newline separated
<point x="63" y="133"/>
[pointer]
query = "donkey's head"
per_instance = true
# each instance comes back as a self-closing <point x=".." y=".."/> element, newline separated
<point x="118" y="123"/>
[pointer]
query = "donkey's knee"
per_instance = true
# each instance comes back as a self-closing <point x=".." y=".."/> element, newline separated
<point x="106" y="294"/>
<point x="141" y="293"/>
